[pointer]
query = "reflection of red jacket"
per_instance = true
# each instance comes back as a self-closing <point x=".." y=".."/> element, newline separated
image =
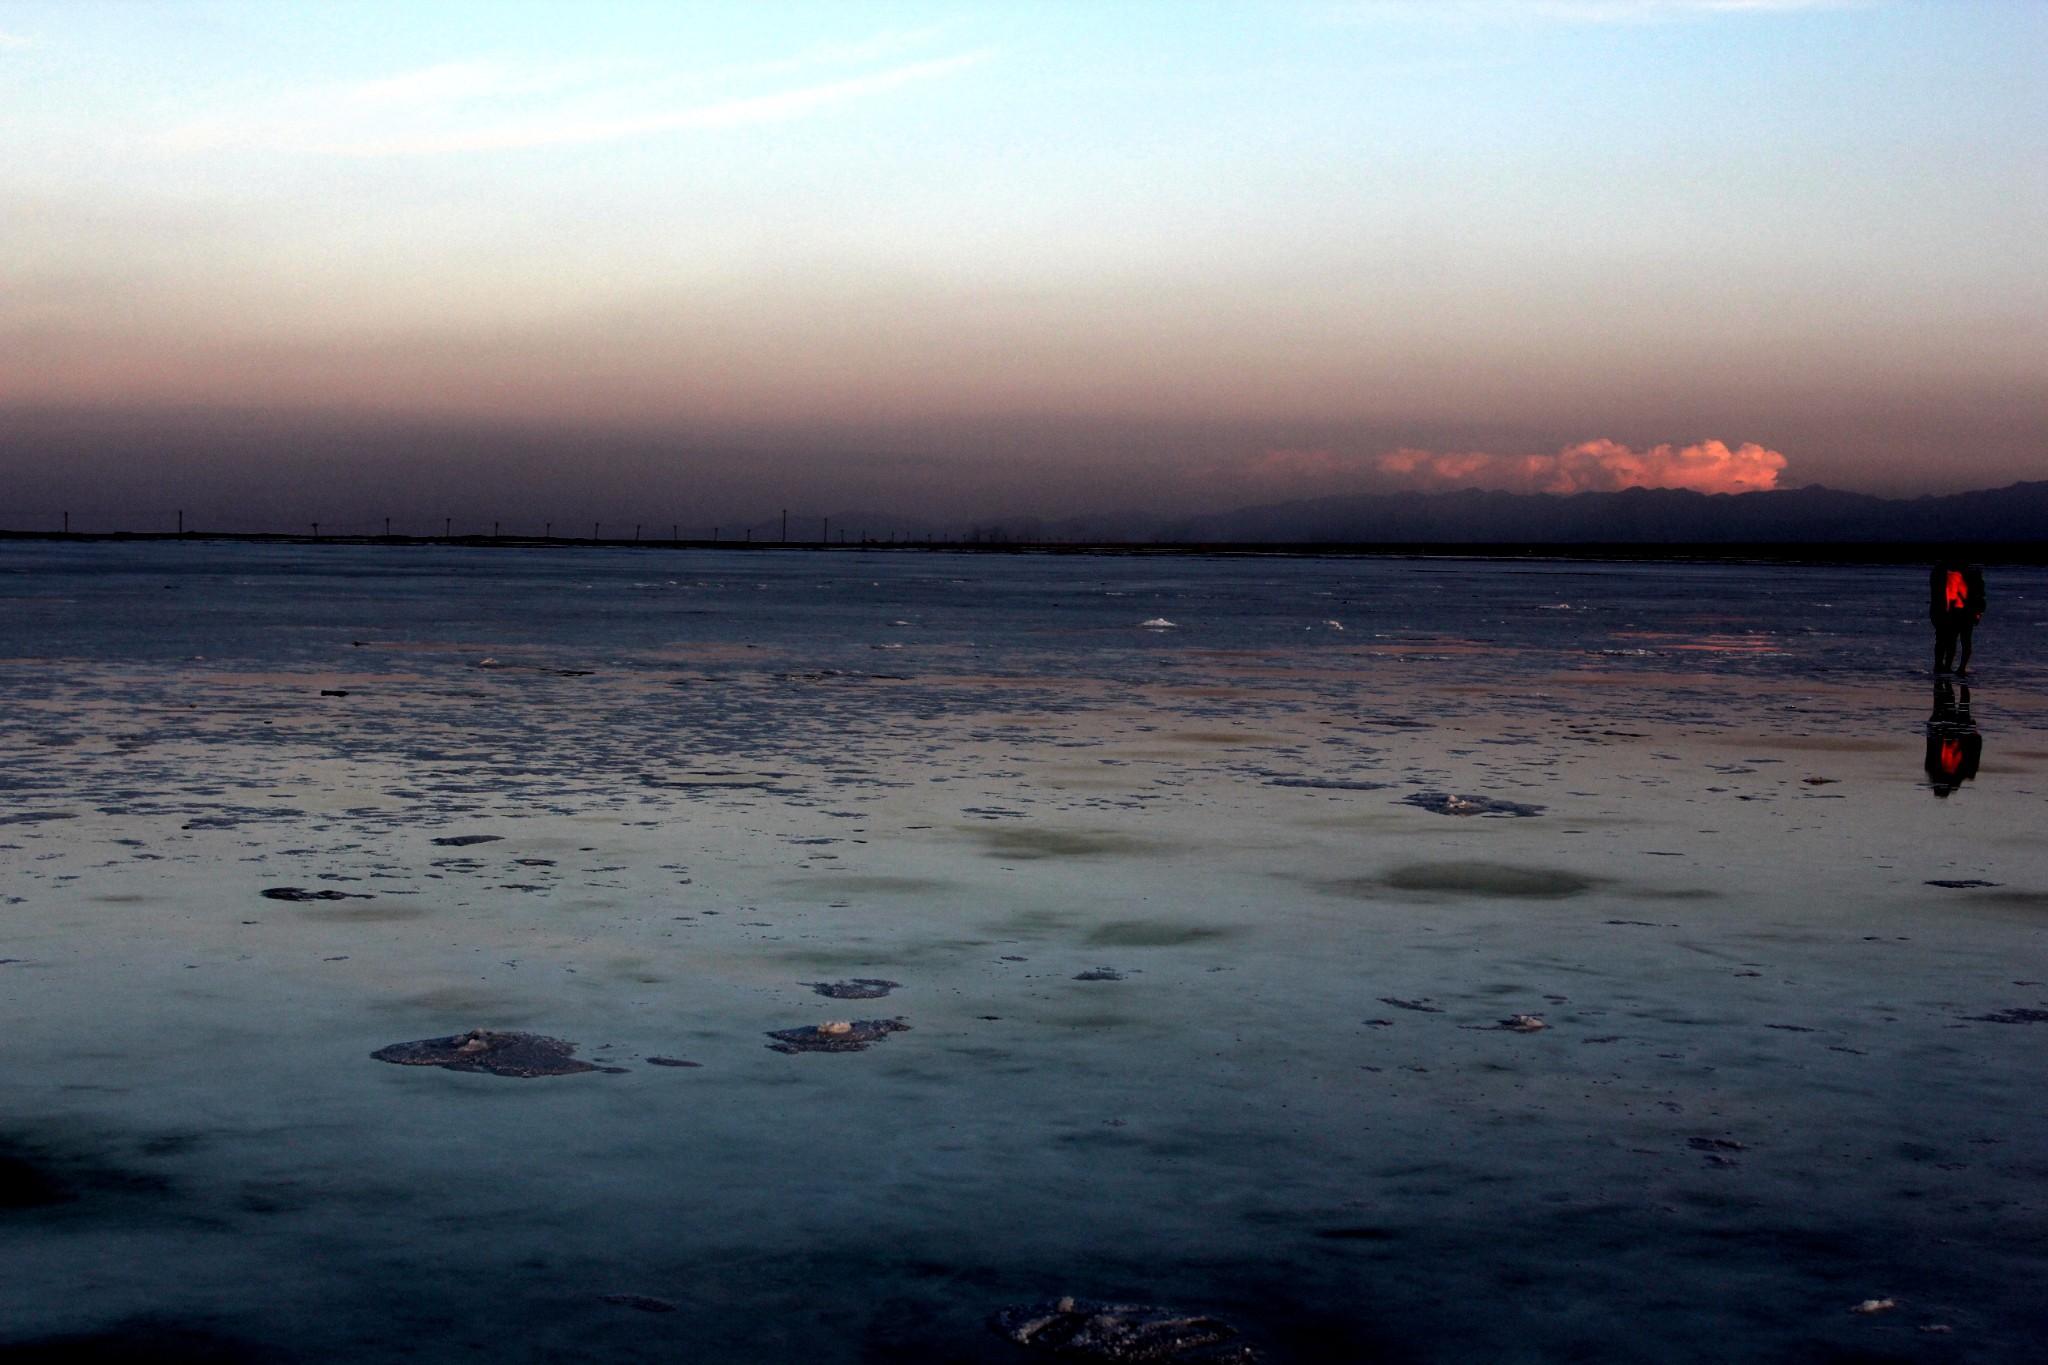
<point x="1955" y="595"/>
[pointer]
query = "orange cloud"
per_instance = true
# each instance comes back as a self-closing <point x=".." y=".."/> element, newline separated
<point x="1591" y="467"/>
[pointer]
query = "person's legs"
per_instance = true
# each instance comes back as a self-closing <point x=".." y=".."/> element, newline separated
<point x="1963" y="664"/>
<point x="1944" y="648"/>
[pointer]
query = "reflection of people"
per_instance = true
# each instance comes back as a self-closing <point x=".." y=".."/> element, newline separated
<point x="1955" y="603"/>
<point x="1953" y="744"/>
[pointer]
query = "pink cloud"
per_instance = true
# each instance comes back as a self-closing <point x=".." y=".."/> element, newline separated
<point x="1590" y="467"/>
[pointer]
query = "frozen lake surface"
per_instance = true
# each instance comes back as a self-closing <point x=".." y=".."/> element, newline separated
<point x="1222" y="947"/>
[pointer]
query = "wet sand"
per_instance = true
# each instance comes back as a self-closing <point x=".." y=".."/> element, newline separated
<point x="1210" y="938"/>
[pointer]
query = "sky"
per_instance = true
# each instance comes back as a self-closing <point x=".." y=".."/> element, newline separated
<point x="928" y="261"/>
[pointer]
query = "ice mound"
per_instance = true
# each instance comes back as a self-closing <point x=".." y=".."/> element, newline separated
<point x="524" y="1055"/>
<point x="837" y="1036"/>
<point x="1119" y="1331"/>
<point x="1443" y="803"/>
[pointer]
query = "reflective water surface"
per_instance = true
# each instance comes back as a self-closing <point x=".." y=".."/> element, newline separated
<point x="1409" y="960"/>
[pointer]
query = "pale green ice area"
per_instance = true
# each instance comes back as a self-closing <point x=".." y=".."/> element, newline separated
<point x="1779" y="1071"/>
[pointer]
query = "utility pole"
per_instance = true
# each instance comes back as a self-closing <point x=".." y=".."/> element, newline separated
<point x="593" y="529"/>
<point x="387" y="528"/>
<point x="181" y="522"/>
<point x="785" y="525"/>
<point x="316" y="530"/>
<point x="547" y="530"/>
<point x="447" y="527"/>
<point x="494" y="530"/>
<point x="825" y="531"/>
<point x="636" y="530"/>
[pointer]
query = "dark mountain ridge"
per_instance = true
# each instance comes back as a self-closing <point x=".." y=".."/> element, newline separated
<point x="2017" y="512"/>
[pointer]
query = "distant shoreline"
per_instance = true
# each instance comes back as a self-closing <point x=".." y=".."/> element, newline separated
<point x="2032" y="553"/>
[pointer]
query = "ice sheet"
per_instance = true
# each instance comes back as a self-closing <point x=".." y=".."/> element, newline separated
<point x="1204" y="1011"/>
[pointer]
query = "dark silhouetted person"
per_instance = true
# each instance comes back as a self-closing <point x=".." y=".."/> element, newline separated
<point x="1953" y="745"/>
<point x="1955" y="603"/>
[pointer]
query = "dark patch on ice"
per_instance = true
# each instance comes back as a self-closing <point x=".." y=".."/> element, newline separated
<point x="465" y="840"/>
<point x="640" y="1301"/>
<point x="1100" y="974"/>
<point x="1355" y="1234"/>
<point x="860" y="988"/>
<point x="1706" y="1144"/>
<point x="332" y="692"/>
<point x="1489" y="879"/>
<point x="1085" y="1330"/>
<point x="523" y="1055"/>
<point x="840" y="1036"/>
<point x="1443" y="803"/>
<point x="26" y="1185"/>
<point x="2018" y="1016"/>
<point x="37" y="817"/>
<point x="1421" y="1006"/>
<point x="300" y="893"/>
<point x="1059" y="843"/>
<point x="1137" y="933"/>
<point x="669" y="1061"/>
<point x="39" y="1174"/>
<point x="1962" y="883"/>
<point x="139" y="1342"/>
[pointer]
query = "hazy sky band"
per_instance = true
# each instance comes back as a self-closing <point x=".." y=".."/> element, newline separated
<point x="1656" y="223"/>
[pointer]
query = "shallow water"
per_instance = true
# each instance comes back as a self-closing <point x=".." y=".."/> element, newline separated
<point x="1204" y="1010"/>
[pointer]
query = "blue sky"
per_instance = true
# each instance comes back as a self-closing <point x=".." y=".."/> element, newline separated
<point x="833" y="226"/>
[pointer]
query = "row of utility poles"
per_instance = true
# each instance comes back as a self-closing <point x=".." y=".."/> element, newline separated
<point x="675" y="536"/>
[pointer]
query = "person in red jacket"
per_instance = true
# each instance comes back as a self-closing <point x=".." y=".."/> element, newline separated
<point x="1955" y="603"/>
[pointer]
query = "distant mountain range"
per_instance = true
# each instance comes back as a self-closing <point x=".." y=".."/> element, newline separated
<point x="1642" y="516"/>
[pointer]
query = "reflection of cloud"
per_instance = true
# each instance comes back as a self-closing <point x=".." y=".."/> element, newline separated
<point x="490" y="106"/>
<point x="1595" y="467"/>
